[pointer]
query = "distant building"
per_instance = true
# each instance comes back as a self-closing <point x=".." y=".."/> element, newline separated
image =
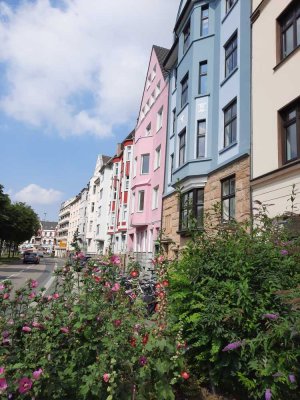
<point x="120" y="196"/>
<point x="61" y="249"/>
<point x="45" y="238"/>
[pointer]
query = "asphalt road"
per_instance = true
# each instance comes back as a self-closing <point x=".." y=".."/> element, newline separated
<point x="19" y="273"/>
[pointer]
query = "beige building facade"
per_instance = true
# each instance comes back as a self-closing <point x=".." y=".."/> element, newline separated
<point x="275" y="103"/>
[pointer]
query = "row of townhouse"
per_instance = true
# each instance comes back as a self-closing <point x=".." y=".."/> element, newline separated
<point x="219" y="118"/>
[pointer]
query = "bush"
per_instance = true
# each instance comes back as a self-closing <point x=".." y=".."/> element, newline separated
<point x="90" y="339"/>
<point x="235" y="296"/>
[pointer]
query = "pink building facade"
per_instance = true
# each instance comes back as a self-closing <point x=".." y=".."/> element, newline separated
<point x="149" y="162"/>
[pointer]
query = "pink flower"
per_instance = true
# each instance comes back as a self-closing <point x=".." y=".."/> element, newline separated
<point x="271" y="316"/>
<point x="115" y="260"/>
<point x="3" y="385"/>
<point x="26" y="329"/>
<point x="25" y="384"/>
<point x="2" y="370"/>
<point x="292" y="378"/>
<point x="34" y="284"/>
<point x="284" y="252"/>
<point x="10" y="322"/>
<point x="36" y="374"/>
<point x="107" y="284"/>
<point x="64" y="329"/>
<point x="6" y="296"/>
<point x="37" y="325"/>
<point x="161" y="259"/>
<point x="268" y="394"/>
<point x="49" y="298"/>
<point x="32" y="295"/>
<point x="116" y="287"/>
<point x="55" y="296"/>
<point x="106" y="377"/>
<point x="233" y="346"/>
<point x="2" y="287"/>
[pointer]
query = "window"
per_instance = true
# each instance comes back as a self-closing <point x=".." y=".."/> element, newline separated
<point x="157" y="157"/>
<point x="124" y="212"/>
<point x="155" y="198"/>
<point x="113" y="218"/>
<point x="141" y="200"/>
<point x="229" y="5"/>
<point x="91" y="226"/>
<point x="174" y="120"/>
<point x="157" y="90"/>
<point x="115" y="194"/>
<point x="203" y="77"/>
<point x="101" y="194"/>
<point x="291" y="132"/>
<point x="98" y="229"/>
<point x="148" y="81"/>
<point x="154" y="72"/>
<point x="172" y="164"/>
<point x="186" y="36"/>
<point x="100" y="211"/>
<point x="134" y="166"/>
<point x="145" y="163"/>
<point x="92" y="207"/>
<point x="175" y="78"/>
<point x="231" y="55"/>
<point x="182" y="148"/>
<point x="290" y="29"/>
<point x="228" y="198"/>
<point x="152" y="98"/>
<point x="204" y="21"/>
<point x="159" y="119"/>
<point x="184" y="90"/>
<point x="148" y="130"/>
<point x="133" y="202"/>
<point x="191" y="210"/>
<point x="127" y="184"/>
<point x="230" y="119"/>
<point x="117" y="169"/>
<point x="128" y="155"/>
<point x="201" y="132"/>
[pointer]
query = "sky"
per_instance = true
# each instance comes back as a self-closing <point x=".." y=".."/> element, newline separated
<point x="72" y="74"/>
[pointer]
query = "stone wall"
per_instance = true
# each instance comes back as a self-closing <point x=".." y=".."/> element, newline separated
<point x="212" y="192"/>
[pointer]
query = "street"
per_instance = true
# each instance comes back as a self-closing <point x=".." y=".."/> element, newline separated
<point x="19" y="273"/>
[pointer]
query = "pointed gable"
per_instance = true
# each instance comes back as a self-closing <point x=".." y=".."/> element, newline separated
<point x="155" y="80"/>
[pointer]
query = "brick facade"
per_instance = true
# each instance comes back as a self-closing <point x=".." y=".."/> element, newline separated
<point x="172" y="241"/>
<point x="212" y="192"/>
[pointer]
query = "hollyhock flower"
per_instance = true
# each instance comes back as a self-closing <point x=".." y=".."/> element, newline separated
<point x="165" y="283"/>
<point x="104" y="263"/>
<point x="2" y="370"/>
<point x="143" y="361"/>
<point x="37" y="325"/>
<point x="233" y="346"/>
<point x="26" y="328"/>
<point x="106" y="377"/>
<point x="55" y="296"/>
<point x="145" y="339"/>
<point x="32" y="295"/>
<point x="115" y="260"/>
<point x="3" y="385"/>
<point x="34" y="284"/>
<point x="49" y="298"/>
<point x="107" y="284"/>
<point x="268" y="394"/>
<point x="134" y="274"/>
<point x="2" y="287"/>
<point x="97" y="279"/>
<point x="284" y="252"/>
<point x="271" y="316"/>
<point x="185" y="375"/>
<point x="6" y="296"/>
<point x="116" y="287"/>
<point x="10" y="322"/>
<point x="36" y="374"/>
<point x="64" y="329"/>
<point x="117" y="322"/>
<point x="292" y="378"/>
<point x="5" y="334"/>
<point x="25" y="384"/>
<point x="132" y="342"/>
<point x="160" y="259"/>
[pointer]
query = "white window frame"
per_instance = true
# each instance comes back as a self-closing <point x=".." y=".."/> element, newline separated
<point x="155" y="198"/>
<point x="134" y="166"/>
<point x="125" y="212"/>
<point x="157" y="90"/>
<point x="142" y="163"/>
<point x="148" y="129"/>
<point x="159" y="119"/>
<point x="139" y="200"/>
<point x="133" y="202"/>
<point x="157" y="157"/>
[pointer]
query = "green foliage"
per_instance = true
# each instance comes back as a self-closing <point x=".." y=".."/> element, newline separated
<point x="223" y="287"/>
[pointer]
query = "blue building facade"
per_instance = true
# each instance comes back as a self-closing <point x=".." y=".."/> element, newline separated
<point x="208" y="138"/>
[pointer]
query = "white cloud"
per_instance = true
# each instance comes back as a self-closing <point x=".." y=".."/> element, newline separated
<point x="80" y="69"/>
<point x="35" y="194"/>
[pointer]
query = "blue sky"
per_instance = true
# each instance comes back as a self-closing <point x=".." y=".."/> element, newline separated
<point x="71" y="78"/>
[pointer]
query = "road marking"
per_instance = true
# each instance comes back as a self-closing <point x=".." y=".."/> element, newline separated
<point x="10" y="276"/>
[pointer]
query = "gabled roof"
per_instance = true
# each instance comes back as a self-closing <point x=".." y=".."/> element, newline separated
<point x="106" y="159"/>
<point x="161" y="54"/>
<point x="49" y="226"/>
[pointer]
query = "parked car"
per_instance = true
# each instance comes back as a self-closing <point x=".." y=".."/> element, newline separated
<point x="31" y="258"/>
